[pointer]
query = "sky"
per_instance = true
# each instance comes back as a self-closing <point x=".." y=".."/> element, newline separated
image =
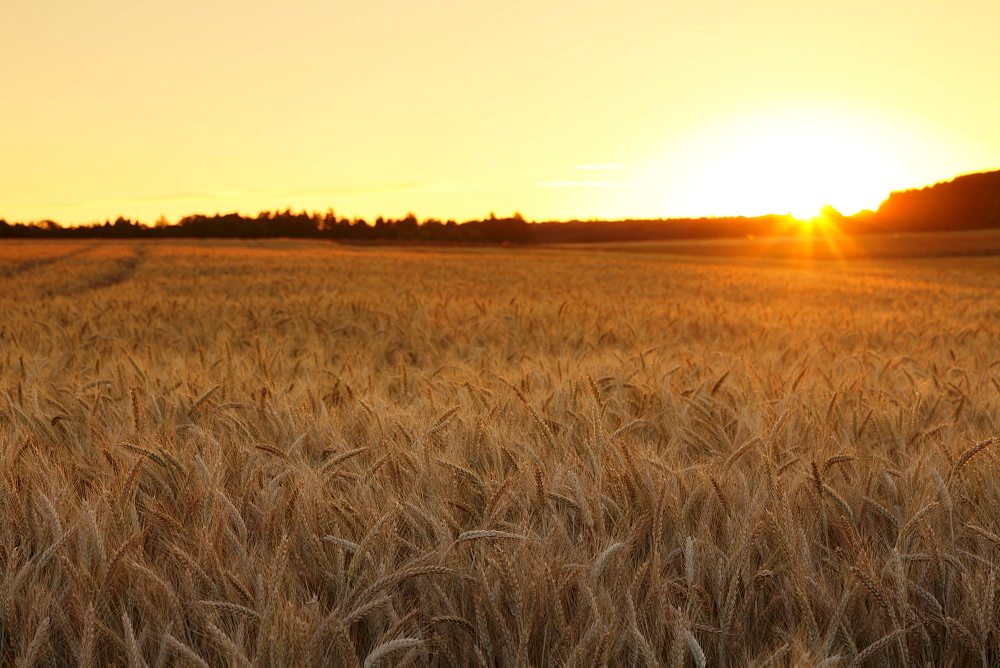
<point x="550" y="108"/>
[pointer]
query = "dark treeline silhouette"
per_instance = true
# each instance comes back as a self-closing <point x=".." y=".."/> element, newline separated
<point x="662" y="229"/>
<point x="513" y="229"/>
<point x="300" y="225"/>
<point x="967" y="202"/>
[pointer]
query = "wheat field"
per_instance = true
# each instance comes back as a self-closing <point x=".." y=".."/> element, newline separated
<point x="290" y="454"/>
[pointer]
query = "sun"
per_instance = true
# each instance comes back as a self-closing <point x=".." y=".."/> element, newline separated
<point x="793" y="164"/>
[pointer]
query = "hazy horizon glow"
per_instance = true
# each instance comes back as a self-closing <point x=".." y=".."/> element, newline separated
<point x="450" y="109"/>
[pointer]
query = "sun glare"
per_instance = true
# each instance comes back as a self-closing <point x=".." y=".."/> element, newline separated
<point x="792" y="165"/>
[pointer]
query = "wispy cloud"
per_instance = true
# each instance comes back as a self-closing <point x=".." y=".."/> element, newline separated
<point x="174" y="197"/>
<point x="354" y="191"/>
<point x="151" y="199"/>
<point x="257" y="194"/>
<point x="600" y="168"/>
<point x="577" y="184"/>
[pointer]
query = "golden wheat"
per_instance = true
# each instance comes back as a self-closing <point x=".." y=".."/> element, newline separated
<point x="282" y="453"/>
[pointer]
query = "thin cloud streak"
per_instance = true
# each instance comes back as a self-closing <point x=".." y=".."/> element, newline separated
<point x="596" y="168"/>
<point x="343" y="191"/>
<point x="577" y="184"/>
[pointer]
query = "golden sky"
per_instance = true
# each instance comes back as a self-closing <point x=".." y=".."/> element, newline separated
<point x="450" y="109"/>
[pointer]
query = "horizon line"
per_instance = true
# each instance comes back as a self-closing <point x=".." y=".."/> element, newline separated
<point x="491" y="216"/>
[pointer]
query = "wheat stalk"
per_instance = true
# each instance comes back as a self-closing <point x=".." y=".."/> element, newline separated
<point x="480" y="534"/>
<point x="968" y="455"/>
<point x="387" y="649"/>
<point x="878" y="646"/>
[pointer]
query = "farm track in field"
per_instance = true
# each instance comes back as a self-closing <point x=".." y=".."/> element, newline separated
<point x="98" y="272"/>
<point x="11" y="269"/>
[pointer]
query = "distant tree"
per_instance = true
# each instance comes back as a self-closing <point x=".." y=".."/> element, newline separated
<point x="828" y="213"/>
<point x="329" y="221"/>
<point x="407" y="228"/>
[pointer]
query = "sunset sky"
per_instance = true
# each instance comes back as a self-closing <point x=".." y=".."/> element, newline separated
<point x="552" y="108"/>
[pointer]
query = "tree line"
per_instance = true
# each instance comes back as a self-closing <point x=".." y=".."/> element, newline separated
<point x="512" y="229"/>
<point x="967" y="202"/>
